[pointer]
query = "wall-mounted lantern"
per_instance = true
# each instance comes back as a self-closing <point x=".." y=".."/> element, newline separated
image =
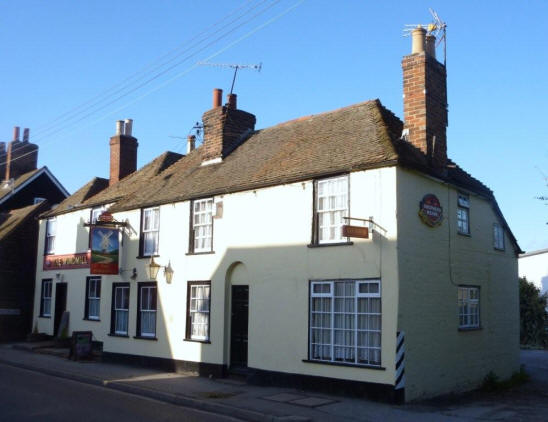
<point x="153" y="268"/>
<point x="168" y="272"/>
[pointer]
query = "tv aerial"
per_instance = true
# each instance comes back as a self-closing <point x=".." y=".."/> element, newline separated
<point x="234" y="66"/>
<point x="437" y="28"/>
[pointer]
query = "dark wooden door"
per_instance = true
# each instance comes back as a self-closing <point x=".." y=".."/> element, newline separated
<point x="239" y="327"/>
<point x="60" y="305"/>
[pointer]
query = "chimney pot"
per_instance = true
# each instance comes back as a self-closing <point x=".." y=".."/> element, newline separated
<point x="430" y="45"/>
<point x="16" y="133"/>
<point x="26" y="135"/>
<point x="190" y="143"/>
<point x="231" y="101"/>
<point x="128" y="127"/>
<point x="119" y="127"/>
<point x="123" y="152"/>
<point x="217" y="97"/>
<point x="418" y="35"/>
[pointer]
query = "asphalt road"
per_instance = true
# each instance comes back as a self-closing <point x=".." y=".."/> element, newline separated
<point x="31" y="396"/>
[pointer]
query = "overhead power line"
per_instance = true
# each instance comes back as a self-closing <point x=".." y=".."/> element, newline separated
<point x="186" y="71"/>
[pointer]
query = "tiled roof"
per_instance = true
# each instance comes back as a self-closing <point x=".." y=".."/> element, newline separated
<point x="98" y="192"/>
<point x="10" y="220"/>
<point x="356" y="137"/>
<point x="7" y="190"/>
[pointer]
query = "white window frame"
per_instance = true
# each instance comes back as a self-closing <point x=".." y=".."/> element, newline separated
<point x="468" y="303"/>
<point x="118" y="309"/>
<point x="147" y="309"/>
<point x="45" y="300"/>
<point x="463" y="214"/>
<point x="326" y="189"/>
<point x="498" y="237"/>
<point x="93" y="295"/>
<point x="326" y="313"/>
<point x="202" y="225"/>
<point x="51" y="232"/>
<point x="150" y="231"/>
<point x="194" y="309"/>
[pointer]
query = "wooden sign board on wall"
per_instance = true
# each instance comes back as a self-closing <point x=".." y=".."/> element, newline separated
<point x="355" y="231"/>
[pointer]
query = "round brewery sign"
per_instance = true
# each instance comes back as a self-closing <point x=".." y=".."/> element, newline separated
<point x="430" y="210"/>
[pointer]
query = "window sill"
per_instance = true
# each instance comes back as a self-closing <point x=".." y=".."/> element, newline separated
<point x="464" y="234"/>
<point x="191" y="340"/>
<point x="44" y="316"/>
<point x="117" y="335"/>
<point x="351" y="365"/>
<point x="146" y="256"/>
<point x="499" y="249"/>
<point x="92" y="319"/>
<point x="145" y="338"/>
<point x="321" y="245"/>
<point x="470" y="328"/>
<point x="200" y="253"/>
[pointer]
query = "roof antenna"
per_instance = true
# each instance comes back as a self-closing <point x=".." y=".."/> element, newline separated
<point x="256" y="67"/>
<point x="435" y="28"/>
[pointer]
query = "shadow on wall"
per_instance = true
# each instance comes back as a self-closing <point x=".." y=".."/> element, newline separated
<point x="259" y="304"/>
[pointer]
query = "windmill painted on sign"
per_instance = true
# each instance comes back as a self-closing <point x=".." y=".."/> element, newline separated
<point x="435" y="28"/>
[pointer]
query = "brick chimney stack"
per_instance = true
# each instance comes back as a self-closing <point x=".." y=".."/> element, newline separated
<point x="123" y="152"/>
<point x="425" y="99"/>
<point x="225" y="127"/>
<point x="20" y="158"/>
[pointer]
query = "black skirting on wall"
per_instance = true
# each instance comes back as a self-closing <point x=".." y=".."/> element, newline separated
<point x="202" y="368"/>
<point x="375" y="391"/>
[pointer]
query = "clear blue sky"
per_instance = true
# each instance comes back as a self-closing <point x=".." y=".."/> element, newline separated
<point x="322" y="54"/>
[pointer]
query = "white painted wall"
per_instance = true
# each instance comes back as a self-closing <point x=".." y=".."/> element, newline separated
<point x="432" y="263"/>
<point x="267" y="231"/>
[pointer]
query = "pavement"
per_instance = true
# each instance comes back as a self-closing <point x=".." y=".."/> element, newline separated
<point x="246" y="402"/>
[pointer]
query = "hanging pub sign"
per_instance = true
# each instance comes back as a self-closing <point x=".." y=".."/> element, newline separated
<point x="430" y="210"/>
<point x="105" y="248"/>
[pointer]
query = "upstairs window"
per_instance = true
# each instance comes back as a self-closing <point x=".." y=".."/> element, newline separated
<point x="498" y="237"/>
<point x="345" y="321"/>
<point x="149" y="231"/>
<point x="463" y="214"/>
<point x="331" y="205"/>
<point x="198" y="295"/>
<point x="469" y="307"/>
<point x="202" y="225"/>
<point x="51" y="231"/>
<point x="93" y="298"/>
